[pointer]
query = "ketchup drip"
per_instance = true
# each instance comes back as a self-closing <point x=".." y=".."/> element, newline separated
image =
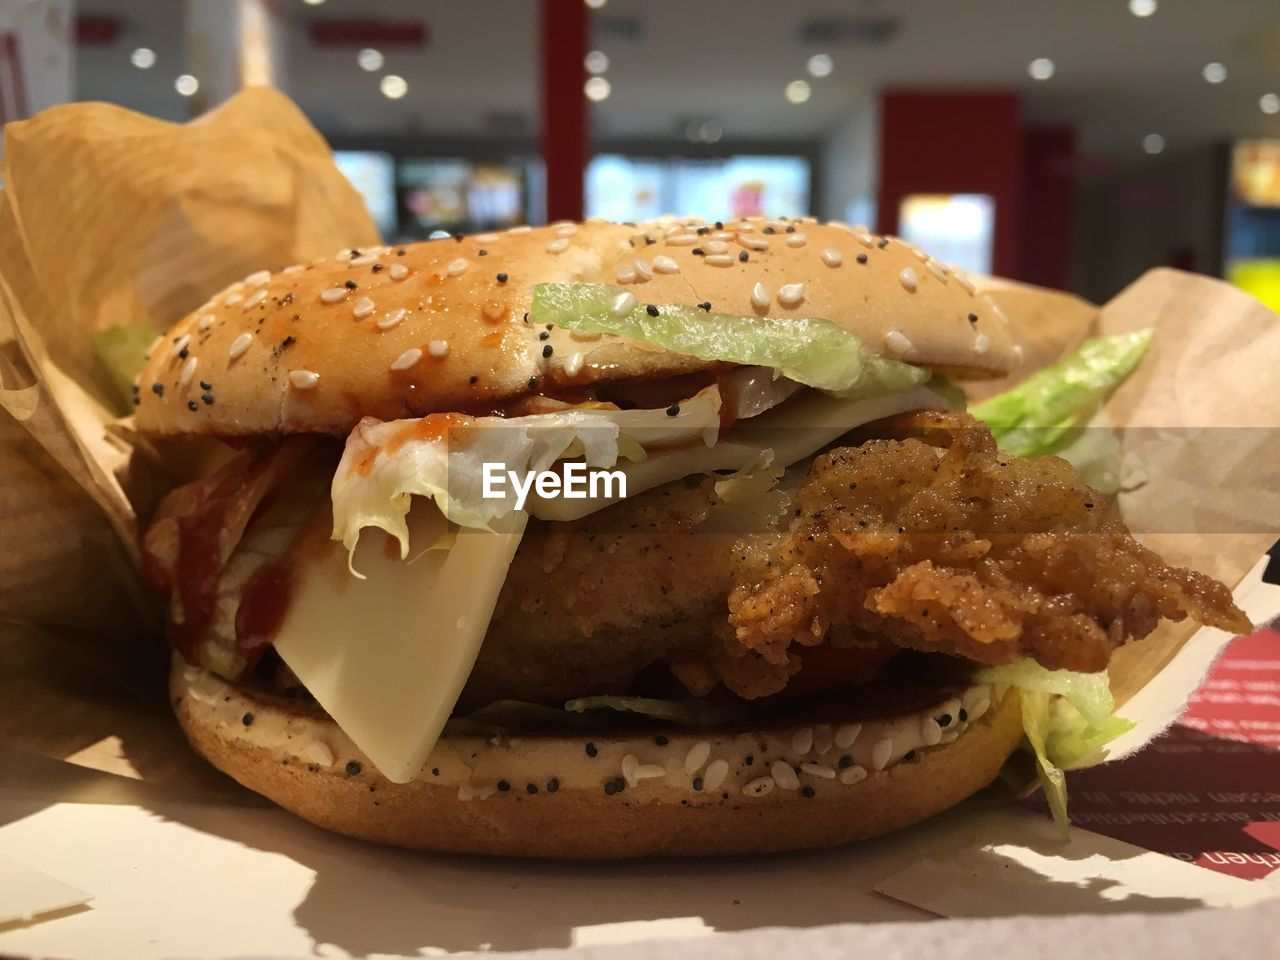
<point x="263" y="606"/>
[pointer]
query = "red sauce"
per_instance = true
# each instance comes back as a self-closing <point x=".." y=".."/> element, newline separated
<point x="263" y="605"/>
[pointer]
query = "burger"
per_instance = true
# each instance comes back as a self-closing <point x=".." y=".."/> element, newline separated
<point x="609" y="540"/>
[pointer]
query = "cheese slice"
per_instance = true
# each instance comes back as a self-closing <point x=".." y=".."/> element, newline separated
<point x="388" y="655"/>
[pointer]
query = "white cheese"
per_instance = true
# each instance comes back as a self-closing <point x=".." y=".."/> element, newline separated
<point x="388" y="655"/>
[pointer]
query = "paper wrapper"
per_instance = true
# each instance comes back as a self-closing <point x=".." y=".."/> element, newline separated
<point x="109" y="217"/>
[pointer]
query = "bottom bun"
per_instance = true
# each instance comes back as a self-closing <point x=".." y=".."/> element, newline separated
<point x="576" y="796"/>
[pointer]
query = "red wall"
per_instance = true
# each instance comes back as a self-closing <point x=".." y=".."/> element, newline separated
<point x="934" y="142"/>
<point x="564" y="108"/>
<point x="1048" y="187"/>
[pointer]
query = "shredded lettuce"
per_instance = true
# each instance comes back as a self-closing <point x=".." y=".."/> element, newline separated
<point x="1040" y="414"/>
<point x="1066" y="716"/>
<point x="688" y="712"/>
<point x="386" y="463"/>
<point x="808" y="350"/>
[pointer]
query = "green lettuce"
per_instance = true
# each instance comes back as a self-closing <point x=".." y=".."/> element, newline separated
<point x="808" y="350"/>
<point x="1066" y="716"/>
<point x="121" y="351"/>
<point x="1043" y="413"/>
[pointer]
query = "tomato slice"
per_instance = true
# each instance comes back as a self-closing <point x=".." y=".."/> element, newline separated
<point x="825" y="667"/>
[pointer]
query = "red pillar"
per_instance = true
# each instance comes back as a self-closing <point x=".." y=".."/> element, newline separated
<point x="564" y="107"/>
<point x="1048" y="202"/>
<point x="942" y="142"/>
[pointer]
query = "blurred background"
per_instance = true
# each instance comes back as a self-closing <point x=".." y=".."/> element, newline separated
<point x="1070" y="143"/>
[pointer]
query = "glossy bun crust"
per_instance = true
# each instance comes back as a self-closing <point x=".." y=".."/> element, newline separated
<point x="440" y="326"/>
<point x="560" y="797"/>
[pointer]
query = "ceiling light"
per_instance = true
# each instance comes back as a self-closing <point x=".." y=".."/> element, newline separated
<point x="144" y="58"/>
<point x="597" y="89"/>
<point x="313" y="3"/>
<point x="370" y="59"/>
<point x="819" y="65"/>
<point x="596" y="5"/>
<point x="1142" y="8"/>
<point x="1269" y="103"/>
<point x="393" y="86"/>
<point x="797" y="91"/>
<point x="1041" y="68"/>
<point x="186" y="85"/>
<point x="1214" y="72"/>
<point x="596" y="62"/>
<point x="1153" y="143"/>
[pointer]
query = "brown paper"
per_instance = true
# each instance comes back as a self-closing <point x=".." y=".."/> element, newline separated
<point x="110" y="217"/>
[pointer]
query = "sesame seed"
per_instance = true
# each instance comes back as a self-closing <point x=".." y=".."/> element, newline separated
<point x="920" y="254"/>
<point x="318" y="752"/>
<point x="239" y="345"/>
<point x="791" y="294"/>
<point x="567" y="230"/>
<point x="591" y="750"/>
<point x="360" y="261"/>
<point x="192" y="406"/>
<point x="759" y="787"/>
<point x="864" y="238"/>
<point x="642" y="270"/>
<point x="852" y="775"/>
<point x="697" y="757"/>
<point x="981" y="343"/>
<point x="233" y="299"/>
<point x="553" y="785"/>
<point x="966" y="284"/>
<point x="407" y="359"/>
<point x="573" y="366"/>
<point x="207" y="398"/>
<point x="808" y="792"/>
<point x="719" y="260"/>
<point x="392" y="318"/>
<point x="651" y="310"/>
<point x="457" y="267"/>
<point x="818" y="770"/>
<point x="705" y="305"/>
<point x="502" y="278"/>
<point x="963" y="715"/>
<point x="362" y="308"/>
<point x="909" y="279"/>
<point x="648" y="771"/>
<point x="558" y="246"/>
<point x="397" y="271"/>
<point x="303" y="379"/>
<point x="760" y="296"/>
<point x="937" y="269"/>
<point x="665" y="265"/>
<point x="716" y="246"/>
<point x="715" y="774"/>
<point x="516" y="231"/>
<point x="673" y="410"/>
<point x="784" y="775"/>
<point x="930" y="731"/>
<point x="881" y="753"/>
<point x="350" y="284"/>
<point x="802" y="741"/>
<point x="547" y="351"/>
<point x="334" y="294"/>
<point x="158" y="388"/>
<point x="503" y="785"/>
<point x="180" y="344"/>
<point x="847" y="734"/>
<point x="293" y="268"/>
<point x="796" y="240"/>
<point x="833" y="257"/>
<point x="822" y="739"/>
<point x="626" y="273"/>
<point x="438" y="348"/>
<point x="897" y="342"/>
<point x="623" y="304"/>
<point x="629" y="764"/>
<point x="259" y="279"/>
<point x="862" y="258"/>
<point x="754" y="243"/>
<point x="205" y="322"/>
<point x="188" y="371"/>
<point x="1017" y="352"/>
<point x="682" y="240"/>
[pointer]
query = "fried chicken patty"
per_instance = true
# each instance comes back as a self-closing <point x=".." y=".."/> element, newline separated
<point x="919" y="533"/>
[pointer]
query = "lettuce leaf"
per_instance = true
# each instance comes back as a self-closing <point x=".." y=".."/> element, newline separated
<point x="121" y="351"/>
<point x="1066" y="716"/>
<point x="1038" y="415"/>
<point x="808" y="350"/>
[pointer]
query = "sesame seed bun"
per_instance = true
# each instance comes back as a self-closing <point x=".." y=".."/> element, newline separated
<point x="440" y="326"/>
<point x="565" y="796"/>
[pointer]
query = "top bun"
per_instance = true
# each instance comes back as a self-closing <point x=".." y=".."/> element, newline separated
<point x="441" y="326"/>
